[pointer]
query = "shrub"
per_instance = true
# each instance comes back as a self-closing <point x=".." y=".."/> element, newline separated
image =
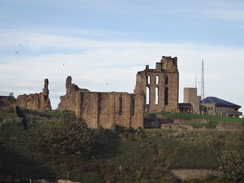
<point x="231" y="164"/>
<point x="71" y="136"/>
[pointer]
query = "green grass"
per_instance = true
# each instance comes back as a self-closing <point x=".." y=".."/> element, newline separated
<point x="142" y="155"/>
<point x="213" y="120"/>
<point x="51" y="113"/>
<point x="5" y="115"/>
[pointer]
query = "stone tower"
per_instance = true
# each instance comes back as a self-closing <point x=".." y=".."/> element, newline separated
<point x="160" y="85"/>
<point x="44" y="97"/>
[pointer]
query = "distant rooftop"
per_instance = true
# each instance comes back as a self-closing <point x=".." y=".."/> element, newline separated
<point x="218" y="102"/>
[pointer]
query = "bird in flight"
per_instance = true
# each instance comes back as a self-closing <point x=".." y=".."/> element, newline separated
<point x="18" y="51"/>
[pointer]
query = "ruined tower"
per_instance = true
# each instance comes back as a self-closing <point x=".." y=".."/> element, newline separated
<point x="37" y="100"/>
<point x="160" y="85"/>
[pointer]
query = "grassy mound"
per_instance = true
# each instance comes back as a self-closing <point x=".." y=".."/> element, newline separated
<point x="118" y="155"/>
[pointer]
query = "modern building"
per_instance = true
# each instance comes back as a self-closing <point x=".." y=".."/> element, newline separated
<point x="219" y="107"/>
<point x="191" y="101"/>
<point x="190" y="96"/>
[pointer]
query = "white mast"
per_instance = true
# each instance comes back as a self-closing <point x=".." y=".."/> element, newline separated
<point x="202" y="81"/>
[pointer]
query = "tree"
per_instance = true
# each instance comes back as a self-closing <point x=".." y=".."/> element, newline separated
<point x="71" y="136"/>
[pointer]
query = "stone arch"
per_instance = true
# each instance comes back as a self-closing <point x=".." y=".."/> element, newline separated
<point x="148" y="95"/>
<point x="156" y="95"/>
<point x="166" y="96"/>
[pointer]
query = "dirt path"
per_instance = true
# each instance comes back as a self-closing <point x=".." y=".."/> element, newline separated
<point x="183" y="174"/>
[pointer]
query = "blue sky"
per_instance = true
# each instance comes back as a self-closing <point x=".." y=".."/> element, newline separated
<point x="103" y="44"/>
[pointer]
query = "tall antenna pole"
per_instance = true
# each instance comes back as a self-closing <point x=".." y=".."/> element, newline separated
<point x="202" y="81"/>
<point x="195" y="80"/>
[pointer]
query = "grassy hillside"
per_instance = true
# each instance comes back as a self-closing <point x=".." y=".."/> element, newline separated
<point x="213" y="119"/>
<point x="119" y="155"/>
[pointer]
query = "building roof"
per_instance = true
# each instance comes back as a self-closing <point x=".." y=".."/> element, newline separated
<point x="218" y="102"/>
<point x="185" y="105"/>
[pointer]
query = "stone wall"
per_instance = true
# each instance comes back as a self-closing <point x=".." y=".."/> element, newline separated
<point x="106" y="109"/>
<point x="160" y="85"/>
<point x="7" y="103"/>
<point x="35" y="101"/>
<point x="229" y="126"/>
<point x="68" y="101"/>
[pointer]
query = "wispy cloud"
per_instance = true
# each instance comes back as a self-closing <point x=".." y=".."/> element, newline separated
<point x="224" y="10"/>
<point x="112" y="65"/>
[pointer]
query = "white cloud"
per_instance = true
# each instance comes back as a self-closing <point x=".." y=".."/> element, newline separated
<point x="112" y="65"/>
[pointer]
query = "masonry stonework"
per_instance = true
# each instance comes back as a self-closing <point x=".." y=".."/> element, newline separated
<point x="106" y="109"/>
<point x="68" y="101"/>
<point x="35" y="101"/>
<point x="160" y="85"/>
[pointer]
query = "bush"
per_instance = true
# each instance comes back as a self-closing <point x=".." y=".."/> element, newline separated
<point x="231" y="164"/>
<point x="71" y="136"/>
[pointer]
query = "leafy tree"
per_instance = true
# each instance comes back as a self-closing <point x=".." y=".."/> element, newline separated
<point x="231" y="164"/>
<point x="71" y="136"/>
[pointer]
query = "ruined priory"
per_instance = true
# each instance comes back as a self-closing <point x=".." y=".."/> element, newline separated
<point x="156" y="90"/>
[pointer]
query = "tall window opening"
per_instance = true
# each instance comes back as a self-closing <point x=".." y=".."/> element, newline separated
<point x="148" y="96"/>
<point x="132" y="106"/>
<point x="156" y="96"/>
<point x="120" y="105"/>
<point x="166" y="80"/>
<point x="166" y="96"/>
<point x="148" y="79"/>
<point x="157" y="80"/>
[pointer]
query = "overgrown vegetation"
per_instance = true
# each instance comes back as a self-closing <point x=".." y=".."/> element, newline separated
<point x="70" y="136"/>
<point x="6" y="115"/>
<point x="231" y="164"/>
<point x="61" y="146"/>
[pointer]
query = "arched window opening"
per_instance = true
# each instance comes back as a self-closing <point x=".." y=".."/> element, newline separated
<point x="157" y="80"/>
<point x="156" y="96"/>
<point x="166" y="96"/>
<point x="120" y="105"/>
<point x="166" y="80"/>
<point x="149" y="80"/>
<point x="148" y="96"/>
<point x="132" y="106"/>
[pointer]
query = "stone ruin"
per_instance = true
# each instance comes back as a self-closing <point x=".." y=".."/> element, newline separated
<point x="7" y="103"/>
<point x="68" y="101"/>
<point x="35" y="101"/>
<point x="161" y="86"/>
<point x="156" y="90"/>
<point x="106" y="109"/>
<point x="103" y="109"/>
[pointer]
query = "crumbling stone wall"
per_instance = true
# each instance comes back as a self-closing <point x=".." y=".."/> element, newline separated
<point x="103" y="109"/>
<point x="35" y="101"/>
<point x="229" y="126"/>
<point x="7" y="103"/>
<point x="68" y="101"/>
<point x="106" y="109"/>
<point x="160" y="85"/>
